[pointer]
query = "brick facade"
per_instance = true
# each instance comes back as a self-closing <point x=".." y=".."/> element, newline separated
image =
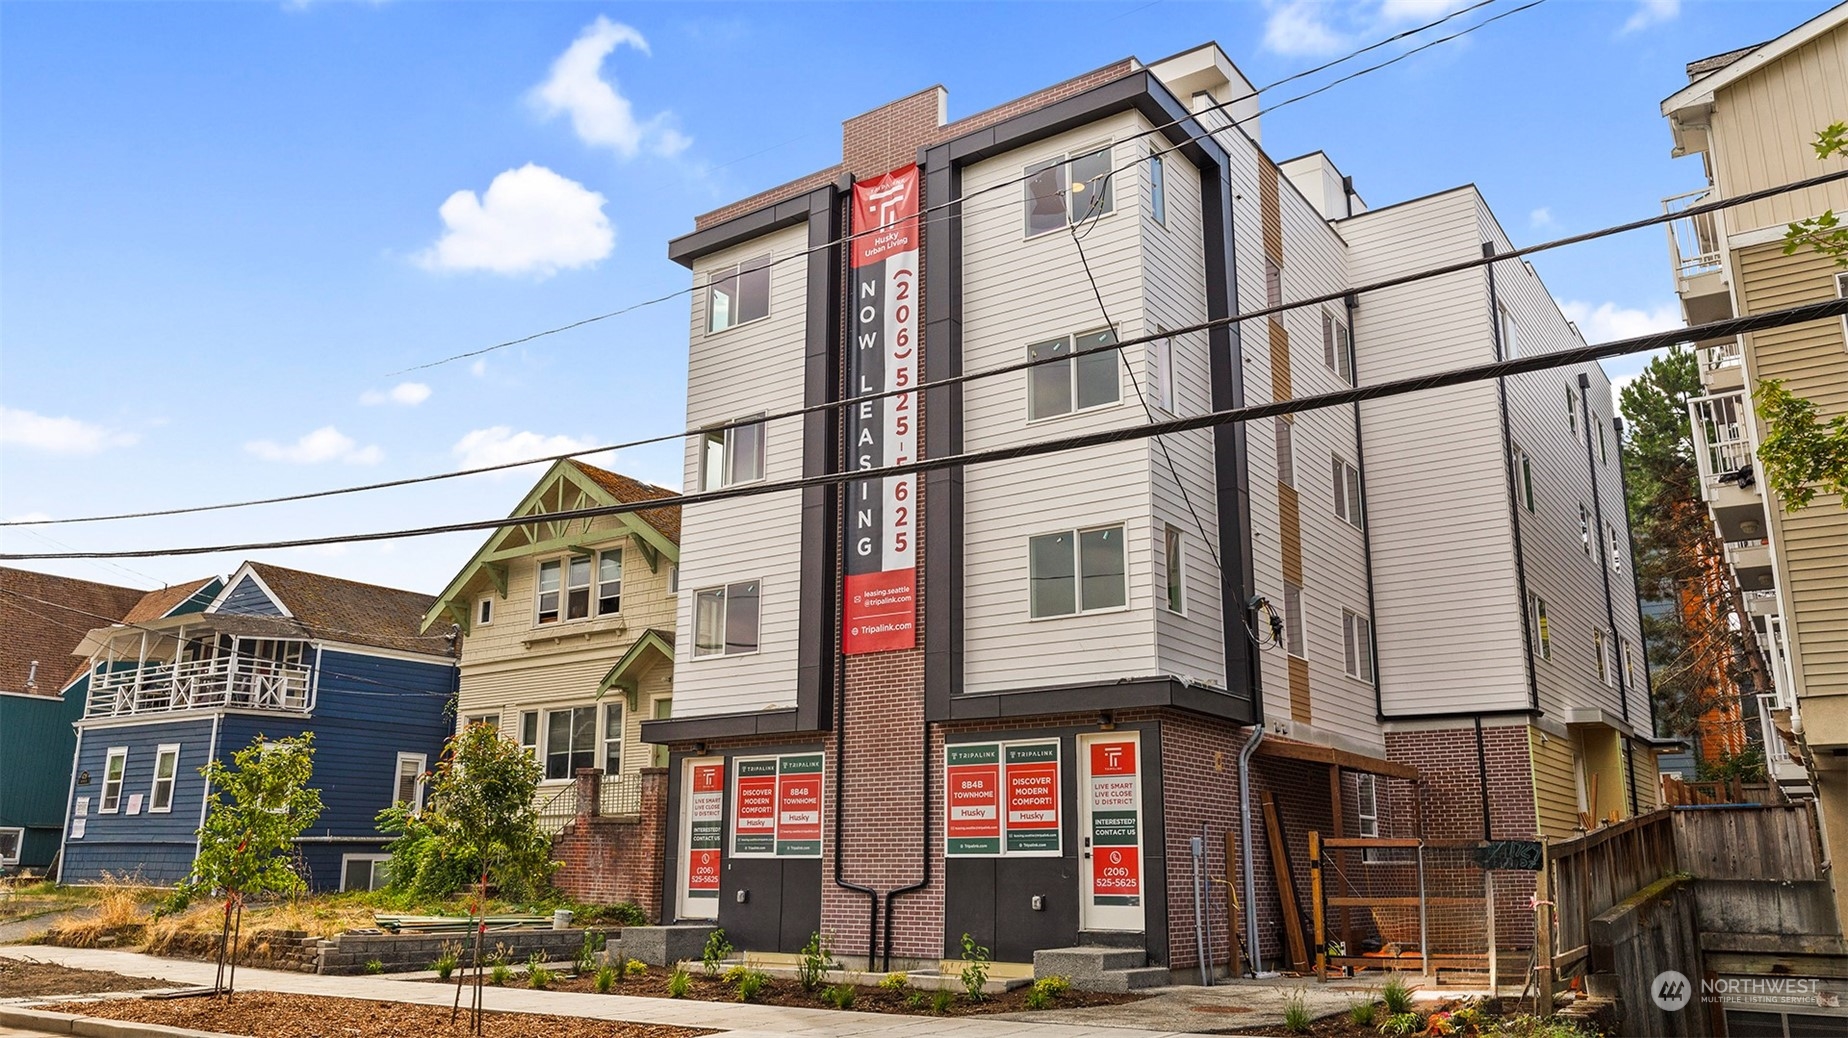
<point x="606" y="860"/>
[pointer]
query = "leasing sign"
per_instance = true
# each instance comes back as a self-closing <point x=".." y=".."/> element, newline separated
<point x="880" y="608"/>
<point x="777" y="810"/>
<point x="1002" y="798"/>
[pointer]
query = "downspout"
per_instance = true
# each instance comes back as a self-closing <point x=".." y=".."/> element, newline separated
<point x="1252" y="942"/>
<point x="1482" y="780"/>
<point x="1514" y="504"/>
<point x="924" y="880"/>
<point x="1604" y="548"/>
<point x="1366" y="520"/>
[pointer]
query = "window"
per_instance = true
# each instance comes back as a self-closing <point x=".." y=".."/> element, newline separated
<point x="1164" y="359"/>
<point x="10" y="840"/>
<point x="1337" y="347"/>
<point x="1347" y="492"/>
<point x="1293" y="620"/>
<point x="725" y="620"/>
<point x="738" y="294"/>
<point x="1543" y="637"/>
<point x="673" y="580"/>
<point x="113" y="767"/>
<point x="1273" y="285"/>
<point x="491" y="720"/>
<point x="1616" y="551"/>
<point x="1077" y="571"/>
<point x="729" y="456"/>
<point x="1572" y="410"/>
<point x="1524" y="478"/>
<point x="609" y="581"/>
<point x="1366" y="805"/>
<point x="1061" y="192"/>
<point x="529" y="732"/>
<point x="612" y="738"/>
<point x="1841" y="292"/>
<point x="1073" y="383"/>
<point x="1601" y="647"/>
<point x="1629" y="663"/>
<point x="576" y="574"/>
<point x="410" y="782"/>
<point x="1158" y="191"/>
<point x="1604" y="457"/>
<point x="577" y="587"/>
<point x="363" y="871"/>
<point x="1177" y="594"/>
<point x="484" y="611"/>
<point x="1357" y="644"/>
<point x="166" y="769"/>
<point x="549" y="572"/>
<point x="1585" y="530"/>
<point x="1286" y="451"/>
<point x="1510" y="340"/>
<point x="570" y="741"/>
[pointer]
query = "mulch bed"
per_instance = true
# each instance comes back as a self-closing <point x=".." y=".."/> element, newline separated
<point x="781" y="992"/>
<point x="21" y="977"/>
<point x="274" y="1015"/>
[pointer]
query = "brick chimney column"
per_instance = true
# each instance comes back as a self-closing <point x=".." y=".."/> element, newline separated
<point x="589" y="792"/>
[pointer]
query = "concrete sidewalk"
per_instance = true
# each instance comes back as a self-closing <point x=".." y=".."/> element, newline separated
<point x="734" y="1019"/>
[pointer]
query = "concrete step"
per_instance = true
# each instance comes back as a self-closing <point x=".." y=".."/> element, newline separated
<point x="1120" y="981"/>
<point x="1112" y="939"/>
<point x="1073" y="963"/>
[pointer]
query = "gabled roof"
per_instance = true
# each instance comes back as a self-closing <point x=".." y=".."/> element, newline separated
<point x="156" y="605"/>
<point x="1726" y="72"/>
<point x="44" y="618"/>
<point x="566" y="486"/>
<point x="336" y="610"/>
<point x="655" y="645"/>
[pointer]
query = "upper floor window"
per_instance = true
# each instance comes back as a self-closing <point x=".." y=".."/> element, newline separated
<point x="725" y="619"/>
<point x="1524" y="478"/>
<point x="1273" y="285"/>
<point x="738" y="294"/>
<point x="1078" y="571"/>
<point x="113" y="768"/>
<point x="731" y="455"/>
<point x="1074" y="383"/>
<point x="1601" y="648"/>
<point x="1337" y="347"/>
<point x="1357" y="645"/>
<point x="1572" y="410"/>
<point x="1347" y="492"/>
<point x="1164" y="361"/>
<point x="1158" y="191"/>
<point x="410" y="791"/>
<point x="1172" y="556"/>
<point x="1628" y="652"/>
<point x="609" y="581"/>
<point x="484" y="611"/>
<point x="1585" y="530"/>
<point x="1061" y="191"/>
<point x="1604" y="457"/>
<point x="579" y="586"/>
<point x="1510" y="335"/>
<point x="1616" y="551"/>
<point x="1286" y="450"/>
<point x="166" y="772"/>
<point x="1543" y="634"/>
<point x="1293" y="620"/>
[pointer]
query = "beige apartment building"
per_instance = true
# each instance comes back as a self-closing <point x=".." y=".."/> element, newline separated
<point x="1751" y="116"/>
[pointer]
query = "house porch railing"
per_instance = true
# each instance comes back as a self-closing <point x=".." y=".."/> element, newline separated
<point x="241" y="682"/>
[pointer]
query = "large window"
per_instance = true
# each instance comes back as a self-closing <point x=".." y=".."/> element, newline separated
<point x="363" y="871"/>
<point x="166" y="769"/>
<point x="1173" y="555"/>
<point x="409" y="789"/>
<point x="1293" y="620"/>
<point x="1337" y="347"/>
<point x="1347" y="492"/>
<point x="113" y="768"/>
<point x="1073" y="383"/>
<point x="1543" y="635"/>
<point x="570" y="741"/>
<point x="731" y="456"/>
<point x="1060" y="192"/>
<point x="738" y="294"/>
<point x="1357" y="644"/>
<point x="1077" y="571"/>
<point x="725" y="620"/>
<point x="580" y="586"/>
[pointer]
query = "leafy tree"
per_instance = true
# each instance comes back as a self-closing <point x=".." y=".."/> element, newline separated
<point x="258" y="805"/>
<point x="479" y="822"/>
<point x="1825" y="233"/>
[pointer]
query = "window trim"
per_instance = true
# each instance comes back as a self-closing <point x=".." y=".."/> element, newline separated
<point x="712" y="279"/>
<point x="1348" y="506"/>
<point x="1352" y="644"/>
<point x="103" y="805"/>
<point x="1337" y="347"/>
<point x="19" y="843"/>
<point x="1295" y="634"/>
<point x="1063" y="162"/>
<point x="563" y="561"/>
<point x="173" y="780"/>
<point x="422" y="786"/>
<point x="484" y="611"/>
<point x="1174" y="569"/>
<point x="1523" y="476"/>
<point x="1370" y="784"/>
<point x="1542" y="626"/>
<point x="1071" y="366"/>
<point x="725" y="620"/>
<point x="1077" y="533"/>
<point x="1158" y="189"/>
<point x="371" y="874"/>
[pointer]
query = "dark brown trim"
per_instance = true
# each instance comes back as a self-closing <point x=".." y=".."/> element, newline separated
<point x="943" y="437"/>
<point x="720" y="726"/>
<point x="688" y="248"/>
<point x="818" y="592"/>
<point x="1130" y="694"/>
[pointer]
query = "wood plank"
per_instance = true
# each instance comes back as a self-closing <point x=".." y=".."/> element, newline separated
<point x="1286" y="886"/>
<point x="1235" y="951"/>
<point x="1355" y="842"/>
<point x="1315" y="753"/>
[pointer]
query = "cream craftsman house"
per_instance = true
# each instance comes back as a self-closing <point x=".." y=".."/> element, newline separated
<point x="567" y="631"/>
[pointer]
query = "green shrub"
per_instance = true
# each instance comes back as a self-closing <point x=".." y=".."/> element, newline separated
<point x="448" y="957"/>
<point x="606" y="978"/>
<point x="750" y="984"/>
<point x="586" y="955"/>
<point x="840" y="996"/>
<point x="817" y="959"/>
<point x="374" y="966"/>
<point x="1296" y="1018"/>
<point x="1361" y="1013"/>
<point x="1396" y="996"/>
<point x="635" y="968"/>
<point x="941" y="1001"/>
<point x="537" y="975"/>
<point x="718" y="949"/>
<point x="894" y="982"/>
<point x="680" y="983"/>
<point x="1524" y="1026"/>
<point x="735" y="974"/>
<point x="975" y="969"/>
<point x="915" y="1000"/>
<point x="1045" y="991"/>
<point x="1398" y="1025"/>
<point x="499" y="974"/>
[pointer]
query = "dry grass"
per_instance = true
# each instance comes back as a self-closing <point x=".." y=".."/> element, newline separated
<point x="317" y="916"/>
<point x="120" y="911"/>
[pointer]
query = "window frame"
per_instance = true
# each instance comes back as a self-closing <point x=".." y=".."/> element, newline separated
<point x="1366" y="794"/>
<point x="1071" y="362"/>
<point x="593" y="598"/>
<point x="726" y="597"/>
<point x="728" y="433"/>
<point x="1357" y="645"/>
<point x="1078" y="575"/>
<point x="1348" y="502"/>
<point x="1174" y="569"/>
<point x="1510" y="334"/>
<point x="1063" y="163"/>
<point x="545" y="738"/>
<point x="1616" y="561"/>
<point x="372" y="874"/>
<point x="735" y="273"/>
<point x="1523" y="476"/>
<point x="530" y="731"/>
<point x="1158" y="189"/>
<point x="420" y="785"/>
<point x="1572" y="410"/>
<point x="1601" y="647"/>
<point x="484" y="611"/>
<point x="104" y="805"/>
<point x="598" y="582"/>
<point x="1585" y="528"/>
<point x="1337" y="347"/>
<point x="1542" y="626"/>
<point x="493" y="720"/>
<point x="1285" y="431"/>
<point x="1295" y="637"/>
<point x="18" y="833"/>
<point x="1165" y="391"/>
<point x="172" y="781"/>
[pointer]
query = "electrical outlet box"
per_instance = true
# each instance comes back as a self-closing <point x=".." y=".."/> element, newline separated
<point x="743" y="896"/>
<point x="1039" y="902"/>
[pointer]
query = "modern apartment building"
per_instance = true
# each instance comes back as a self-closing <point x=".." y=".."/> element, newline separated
<point x="1013" y="698"/>
<point x="1751" y="115"/>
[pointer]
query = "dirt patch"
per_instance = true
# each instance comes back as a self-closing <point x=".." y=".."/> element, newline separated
<point x="22" y="977"/>
<point x="780" y="992"/>
<point x="275" y="1015"/>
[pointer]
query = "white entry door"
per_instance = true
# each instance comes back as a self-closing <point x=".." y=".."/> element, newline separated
<point x="702" y="836"/>
<point x="1110" y="831"/>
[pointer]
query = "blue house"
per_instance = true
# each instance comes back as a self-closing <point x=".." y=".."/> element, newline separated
<point x="277" y="652"/>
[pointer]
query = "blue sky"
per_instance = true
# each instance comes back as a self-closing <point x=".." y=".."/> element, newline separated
<point x="223" y="227"/>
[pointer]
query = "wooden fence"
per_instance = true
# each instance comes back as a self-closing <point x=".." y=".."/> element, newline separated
<point x="1586" y="876"/>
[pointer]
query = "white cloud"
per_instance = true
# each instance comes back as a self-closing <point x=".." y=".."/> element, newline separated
<point x="1318" y="27"/>
<point x="529" y="221"/>
<point x="409" y="394"/>
<point x="600" y="115"/>
<point x="499" y="444"/>
<point x="58" y="435"/>
<point x="479" y="369"/>
<point x="1395" y="11"/>
<point x="324" y="444"/>
<point x="1298" y="27"/>
<point x="1607" y="322"/>
<point x="1651" y="12"/>
<point x="1541" y="217"/>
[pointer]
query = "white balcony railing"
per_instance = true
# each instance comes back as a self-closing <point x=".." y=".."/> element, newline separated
<point x="223" y="682"/>
<point x="1693" y="241"/>
<point x="1775" y="750"/>
<point x="1727" y="354"/>
<point x="1722" y="438"/>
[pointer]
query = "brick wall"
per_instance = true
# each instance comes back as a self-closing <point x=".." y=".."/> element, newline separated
<point x="610" y="860"/>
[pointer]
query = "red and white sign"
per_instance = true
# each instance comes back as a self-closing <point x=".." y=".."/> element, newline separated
<point x="974" y="793"/>
<point x="1033" y="796"/>
<point x="1117" y="872"/>
<point x="754" y="813"/>
<point x="880" y="585"/>
<point x="705" y="810"/>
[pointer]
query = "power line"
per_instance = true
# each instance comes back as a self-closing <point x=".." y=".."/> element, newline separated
<point x="1727" y="328"/>
<point x="1003" y="369"/>
<point x="925" y="213"/>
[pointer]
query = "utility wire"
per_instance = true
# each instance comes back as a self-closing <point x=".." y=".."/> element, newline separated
<point x="1727" y="328"/>
<point x="1003" y="369"/>
<point x="925" y="214"/>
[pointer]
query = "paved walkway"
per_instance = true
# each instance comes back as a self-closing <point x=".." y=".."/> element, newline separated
<point x="736" y="1020"/>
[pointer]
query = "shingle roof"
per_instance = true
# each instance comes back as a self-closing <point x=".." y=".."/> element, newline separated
<point x="1701" y="67"/>
<point x="628" y="489"/>
<point x="349" y="611"/>
<point x="31" y="629"/>
<point x="156" y="604"/>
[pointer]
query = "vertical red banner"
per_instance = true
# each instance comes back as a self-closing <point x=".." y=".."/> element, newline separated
<point x="706" y="810"/>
